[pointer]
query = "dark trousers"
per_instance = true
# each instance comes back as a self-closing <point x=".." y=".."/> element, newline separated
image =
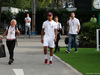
<point x="11" y="45"/>
<point x="57" y="43"/>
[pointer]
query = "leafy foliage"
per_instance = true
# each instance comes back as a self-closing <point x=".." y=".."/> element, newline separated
<point x="44" y="3"/>
<point x="6" y="16"/>
<point x="88" y="34"/>
<point x="23" y="4"/>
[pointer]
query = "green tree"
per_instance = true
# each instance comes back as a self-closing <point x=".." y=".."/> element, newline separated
<point x="49" y="3"/>
<point x="44" y="3"/>
<point x="22" y="4"/>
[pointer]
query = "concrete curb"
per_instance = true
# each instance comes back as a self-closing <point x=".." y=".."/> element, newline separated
<point x="79" y="73"/>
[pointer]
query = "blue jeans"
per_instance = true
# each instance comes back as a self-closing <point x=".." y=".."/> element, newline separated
<point x="74" y="36"/>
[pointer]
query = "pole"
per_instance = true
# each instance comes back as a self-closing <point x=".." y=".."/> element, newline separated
<point x="57" y="3"/>
<point x="52" y="3"/>
<point x="33" y="17"/>
<point x="97" y="33"/>
<point x="0" y="10"/>
<point x="99" y="18"/>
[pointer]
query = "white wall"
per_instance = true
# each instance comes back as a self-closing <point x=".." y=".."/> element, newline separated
<point x="12" y="9"/>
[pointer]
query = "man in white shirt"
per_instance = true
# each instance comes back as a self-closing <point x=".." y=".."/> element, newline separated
<point x="50" y="36"/>
<point x="73" y="30"/>
<point x="27" y="25"/>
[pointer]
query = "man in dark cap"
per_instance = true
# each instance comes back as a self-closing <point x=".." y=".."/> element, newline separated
<point x="50" y="29"/>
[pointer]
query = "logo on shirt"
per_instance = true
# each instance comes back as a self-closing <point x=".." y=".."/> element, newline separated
<point x="52" y="26"/>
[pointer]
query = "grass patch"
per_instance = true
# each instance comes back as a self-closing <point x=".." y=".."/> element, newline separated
<point x="87" y="60"/>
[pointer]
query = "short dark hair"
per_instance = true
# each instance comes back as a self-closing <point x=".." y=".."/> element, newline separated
<point x="72" y="12"/>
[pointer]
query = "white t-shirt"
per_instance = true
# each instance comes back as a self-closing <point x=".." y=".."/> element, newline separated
<point x="58" y="26"/>
<point x="49" y="27"/>
<point x="28" y="19"/>
<point x="73" y="26"/>
<point x="11" y="33"/>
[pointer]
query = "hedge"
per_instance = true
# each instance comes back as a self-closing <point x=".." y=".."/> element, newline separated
<point x="87" y="37"/>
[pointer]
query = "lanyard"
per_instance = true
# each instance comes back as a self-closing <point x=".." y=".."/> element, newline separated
<point x="73" y="22"/>
<point x="11" y="32"/>
<point x="58" y="25"/>
<point x="51" y="25"/>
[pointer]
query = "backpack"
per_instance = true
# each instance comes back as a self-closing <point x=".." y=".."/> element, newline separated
<point x="15" y="29"/>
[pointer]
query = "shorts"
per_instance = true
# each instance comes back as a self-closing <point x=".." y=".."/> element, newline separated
<point x="49" y="42"/>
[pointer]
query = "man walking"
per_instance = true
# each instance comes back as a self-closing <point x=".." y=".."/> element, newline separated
<point x="50" y="36"/>
<point x="27" y="26"/>
<point x="73" y="30"/>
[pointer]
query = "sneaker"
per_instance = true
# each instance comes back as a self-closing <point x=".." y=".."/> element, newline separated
<point x="76" y="51"/>
<point x="10" y="62"/>
<point x="67" y="51"/>
<point x="58" y="49"/>
<point x="46" y="61"/>
<point x="50" y="62"/>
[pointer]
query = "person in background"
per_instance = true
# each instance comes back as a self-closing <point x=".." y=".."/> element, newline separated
<point x="11" y="32"/>
<point x="93" y="19"/>
<point x="73" y="30"/>
<point x="68" y="32"/>
<point x="50" y="36"/>
<point x="68" y="23"/>
<point x="59" y="28"/>
<point x="27" y="26"/>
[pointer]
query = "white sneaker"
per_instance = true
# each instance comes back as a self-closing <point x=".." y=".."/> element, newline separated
<point x="76" y="51"/>
<point x="67" y="51"/>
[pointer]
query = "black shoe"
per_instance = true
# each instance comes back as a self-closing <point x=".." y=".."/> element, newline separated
<point x="58" y="49"/>
<point x="54" y="51"/>
<point x="67" y="51"/>
<point x="10" y="62"/>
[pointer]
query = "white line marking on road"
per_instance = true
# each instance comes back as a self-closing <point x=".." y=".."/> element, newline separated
<point x="18" y="71"/>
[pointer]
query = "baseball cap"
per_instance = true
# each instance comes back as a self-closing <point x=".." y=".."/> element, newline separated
<point x="50" y="14"/>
